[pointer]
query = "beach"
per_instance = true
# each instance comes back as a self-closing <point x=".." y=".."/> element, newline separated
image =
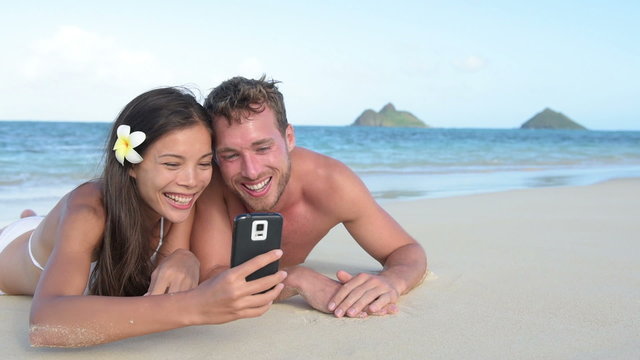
<point x="538" y="273"/>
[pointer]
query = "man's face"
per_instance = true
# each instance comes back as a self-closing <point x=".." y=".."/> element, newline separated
<point x="253" y="157"/>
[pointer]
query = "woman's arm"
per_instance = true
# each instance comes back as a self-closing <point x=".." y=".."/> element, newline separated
<point x="62" y="316"/>
<point x="75" y="321"/>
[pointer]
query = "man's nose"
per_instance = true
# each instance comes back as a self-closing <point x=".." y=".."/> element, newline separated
<point x="250" y="166"/>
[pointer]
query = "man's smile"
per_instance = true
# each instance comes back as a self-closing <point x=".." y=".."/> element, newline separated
<point x="259" y="188"/>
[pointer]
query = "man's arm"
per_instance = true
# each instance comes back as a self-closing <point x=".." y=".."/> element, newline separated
<point x="403" y="259"/>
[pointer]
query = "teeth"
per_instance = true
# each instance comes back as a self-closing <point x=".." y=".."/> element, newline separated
<point x="259" y="186"/>
<point x="180" y="199"/>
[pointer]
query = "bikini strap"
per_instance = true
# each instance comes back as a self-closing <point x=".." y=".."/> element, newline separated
<point x="161" y="233"/>
<point x="33" y="259"/>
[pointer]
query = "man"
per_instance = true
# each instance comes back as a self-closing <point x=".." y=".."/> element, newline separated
<point x="261" y="170"/>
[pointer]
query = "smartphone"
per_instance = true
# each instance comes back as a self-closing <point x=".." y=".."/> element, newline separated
<point x="255" y="234"/>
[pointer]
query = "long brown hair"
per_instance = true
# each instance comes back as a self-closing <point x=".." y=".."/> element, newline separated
<point x="124" y="259"/>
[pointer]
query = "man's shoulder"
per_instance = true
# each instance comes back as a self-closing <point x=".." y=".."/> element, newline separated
<point x="318" y="175"/>
<point x="310" y="160"/>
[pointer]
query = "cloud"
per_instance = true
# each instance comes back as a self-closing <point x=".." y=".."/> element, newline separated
<point x="74" y="53"/>
<point x="471" y="63"/>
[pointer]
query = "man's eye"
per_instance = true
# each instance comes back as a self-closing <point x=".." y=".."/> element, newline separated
<point x="229" y="157"/>
<point x="264" y="149"/>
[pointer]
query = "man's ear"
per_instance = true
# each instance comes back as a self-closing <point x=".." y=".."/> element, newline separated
<point x="290" y="137"/>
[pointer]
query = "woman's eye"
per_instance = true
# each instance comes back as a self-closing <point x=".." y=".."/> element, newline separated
<point x="171" y="165"/>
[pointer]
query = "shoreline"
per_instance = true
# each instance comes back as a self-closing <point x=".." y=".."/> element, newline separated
<point x="524" y="274"/>
<point x="10" y="211"/>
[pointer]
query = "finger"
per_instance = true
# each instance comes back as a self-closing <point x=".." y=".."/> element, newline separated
<point x="159" y="286"/>
<point x="265" y="283"/>
<point x="348" y="302"/>
<point x="360" y="300"/>
<point x="344" y="291"/>
<point x="389" y="309"/>
<point x="154" y="279"/>
<point x="257" y="263"/>
<point x="158" y="289"/>
<point x="258" y="300"/>
<point x="343" y="276"/>
<point x="182" y="284"/>
<point x="380" y="303"/>
<point x="254" y="311"/>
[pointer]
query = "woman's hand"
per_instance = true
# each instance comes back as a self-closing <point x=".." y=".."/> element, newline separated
<point x="179" y="271"/>
<point x="228" y="296"/>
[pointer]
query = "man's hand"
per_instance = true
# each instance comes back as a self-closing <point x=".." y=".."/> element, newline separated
<point x="363" y="294"/>
<point x="177" y="272"/>
<point x="315" y="288"/>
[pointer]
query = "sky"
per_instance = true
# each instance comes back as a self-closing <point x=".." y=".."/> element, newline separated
<point x="453" y="64"/>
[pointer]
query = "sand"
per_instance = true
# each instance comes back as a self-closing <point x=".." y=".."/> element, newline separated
<point x="547" y="273"/>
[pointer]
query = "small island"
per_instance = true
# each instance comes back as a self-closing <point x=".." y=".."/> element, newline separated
<point x="388" y="117"/>
<point x="549" y="119"/>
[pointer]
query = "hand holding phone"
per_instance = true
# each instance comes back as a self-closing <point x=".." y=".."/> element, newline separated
<point x="255" y="234"/>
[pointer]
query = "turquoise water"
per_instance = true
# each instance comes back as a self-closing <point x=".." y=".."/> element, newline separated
<point x="41" y="161"/>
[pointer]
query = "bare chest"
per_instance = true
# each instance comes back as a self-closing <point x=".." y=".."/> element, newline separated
<point x="303" y="228"/>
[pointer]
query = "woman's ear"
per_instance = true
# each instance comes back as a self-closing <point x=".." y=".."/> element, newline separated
<point x="132" y="171"/>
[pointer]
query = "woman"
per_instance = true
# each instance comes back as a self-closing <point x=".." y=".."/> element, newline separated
<point x="102" y="238"/>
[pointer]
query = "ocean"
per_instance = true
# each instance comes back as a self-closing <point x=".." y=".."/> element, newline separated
<point x="41" y="161"/>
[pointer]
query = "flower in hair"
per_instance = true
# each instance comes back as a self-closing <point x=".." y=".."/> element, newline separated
<point x="125" y="144"/>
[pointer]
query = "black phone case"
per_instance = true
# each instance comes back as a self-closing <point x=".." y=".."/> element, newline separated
<point x="243" y="248"/>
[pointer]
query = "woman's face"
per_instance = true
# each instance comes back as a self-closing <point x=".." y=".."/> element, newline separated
<point x="175" y="171"/>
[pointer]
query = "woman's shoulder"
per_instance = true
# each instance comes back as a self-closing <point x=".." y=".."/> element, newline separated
<point x="87" y="201"/>
<point x="79" y="217"/>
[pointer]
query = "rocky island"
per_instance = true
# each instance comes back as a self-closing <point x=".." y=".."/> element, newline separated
<point x="549" y="119"/>
<point x="389" y="117"/>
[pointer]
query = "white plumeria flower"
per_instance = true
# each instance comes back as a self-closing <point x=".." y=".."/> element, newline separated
<point x="125" y="144"/>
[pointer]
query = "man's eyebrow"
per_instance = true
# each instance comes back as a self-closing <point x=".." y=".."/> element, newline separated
<point x="225" y="149"/>
<point x="265" y="141"/>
